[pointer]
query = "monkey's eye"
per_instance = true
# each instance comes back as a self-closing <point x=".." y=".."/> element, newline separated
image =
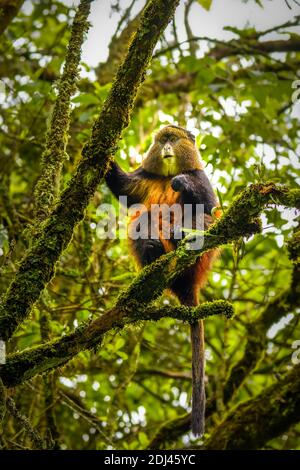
<point x="164" y="139"/>
<point x="168" y="138"/>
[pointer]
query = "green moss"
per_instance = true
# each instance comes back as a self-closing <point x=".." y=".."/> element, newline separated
<point x="240" y="220"/>
<point x="275" y="409"/>
<point x="183" y="313"/>
<point x="47" y="187"/>
<point x="38" y="264"/>
<point x="170" y="431"/>
<point x="52" y="354"/>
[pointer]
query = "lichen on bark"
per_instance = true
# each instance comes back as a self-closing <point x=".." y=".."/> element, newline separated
<point x="47" y="186"/>
<point x="38" y="265"/>
<point x="24" y="365"/>
<point x="253" y="423"/>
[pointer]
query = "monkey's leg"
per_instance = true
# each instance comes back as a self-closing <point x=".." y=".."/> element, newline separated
<point x="186" y="288"/>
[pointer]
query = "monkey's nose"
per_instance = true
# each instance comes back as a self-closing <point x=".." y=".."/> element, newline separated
<point x="167" y="151"/>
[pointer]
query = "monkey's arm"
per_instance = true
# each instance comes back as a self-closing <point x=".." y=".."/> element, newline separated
<point x="195" y="188"/>
<point x="122" y="184"/>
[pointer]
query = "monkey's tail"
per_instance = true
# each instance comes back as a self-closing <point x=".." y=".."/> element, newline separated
<point x="198" y="373"/>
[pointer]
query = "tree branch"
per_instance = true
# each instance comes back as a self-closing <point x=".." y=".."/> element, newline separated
<point x="253" y="351"/>
<point x="186" y="82"/>
<point x="252" y="47"/>
<point x="149" y="284"/>
<point x="253" y="423"/>
<point x="47" y="187"/>
<point x="38" y="265"/>
<point x="283" y="303"/>
<point x="35" y="437"/>
<point x="25" y="365"/>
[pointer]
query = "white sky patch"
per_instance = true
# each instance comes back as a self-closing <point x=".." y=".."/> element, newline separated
<point x="214" y="175"/>
<point x="279" y="240"/>
<point x="67" y="382"/>
<point x="81" y="378"/>
<point x="138" y="416"/>
<point x="190" y="125"/>
<point x="205" y="125"/>
<point x="289" y="215"/>
<point x="203" y="23"/>
<point x="102" y="290"/>
<point x="232" y="107"/>
<point x="95" y="386"/>
<point x="183" y="399"/>
<point x="267" y="154"/>
<point x="274" y="330"/>
<point x="294" y="158"/>
<point x="123" y="154"/>
<point x="216" y="131"/>
<point x="166" y="117"/>
<point x="265" y="224"/>
<point x="208" y="354"/>
<point x="135" y="155"/>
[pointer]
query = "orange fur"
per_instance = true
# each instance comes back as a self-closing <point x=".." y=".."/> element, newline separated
<point x="160" y="192"/>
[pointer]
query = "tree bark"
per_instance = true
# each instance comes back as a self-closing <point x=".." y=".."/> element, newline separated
<point x="255" y="422"/>
<point x="38" y="265"/>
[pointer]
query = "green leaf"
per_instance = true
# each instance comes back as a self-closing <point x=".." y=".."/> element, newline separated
<point x="205" y="4"/>
<point x="144" y="440"/>
<point x="86" y="98"/>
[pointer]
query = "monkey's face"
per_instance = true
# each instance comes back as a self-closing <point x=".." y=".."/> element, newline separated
<point x="172" y="152"/>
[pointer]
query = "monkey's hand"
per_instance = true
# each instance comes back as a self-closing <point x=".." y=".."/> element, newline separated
<point x="180" y="183"/>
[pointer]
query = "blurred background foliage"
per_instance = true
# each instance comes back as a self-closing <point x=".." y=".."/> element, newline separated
<point x="237" y="99"/>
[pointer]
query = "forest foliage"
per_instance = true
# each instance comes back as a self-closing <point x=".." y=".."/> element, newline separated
<point x="115" y="373"/>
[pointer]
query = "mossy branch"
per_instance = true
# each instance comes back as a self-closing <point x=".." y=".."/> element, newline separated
<point x="249" y="203"/>
<point x="33" y="435"/>
<point x="253" y="423"/>
<point x="283" y="303"/>
<point x="240" y="220"/>
<point x="276" y="409"/>
<point x="38" y="265"/>
<point x="47" y="187"/>
<point x="25" y="365"/>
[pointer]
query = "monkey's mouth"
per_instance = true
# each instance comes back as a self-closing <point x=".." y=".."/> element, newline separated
<point x="167" y="156"/>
